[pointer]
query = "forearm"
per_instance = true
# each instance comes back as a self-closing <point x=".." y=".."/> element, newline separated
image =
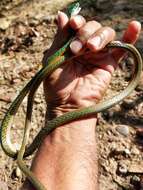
<point x="67" y="158"/>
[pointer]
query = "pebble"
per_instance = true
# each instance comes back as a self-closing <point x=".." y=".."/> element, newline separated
<point x="127" y="151"/>
<point x="139" y="132"/>
<point x="37" y="100"/>
<point x="6" y="98"/>
<point x="135" y="151"/>
<point x="123" y="129"/>
<point x="135" y="180"/>
<point x="18" y="172"/>
<point x="140" y="109"/>
<point x="48" y="18"/>
<point x="113" y="146"/>
<point x="122" y="168"/>
<point x="4" y="23"/>
<point x="128" y="104"/>
<point x="33" y="21"/>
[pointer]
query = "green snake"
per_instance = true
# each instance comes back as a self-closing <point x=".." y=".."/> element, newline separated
<point x="52" y="63"/>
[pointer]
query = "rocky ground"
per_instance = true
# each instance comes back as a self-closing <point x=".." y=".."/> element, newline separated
<point x="27" y="29"/>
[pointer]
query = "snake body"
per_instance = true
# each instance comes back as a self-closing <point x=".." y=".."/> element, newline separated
<point x="53" y="62"/>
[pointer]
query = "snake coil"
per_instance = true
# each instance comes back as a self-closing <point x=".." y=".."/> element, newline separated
<point x="53" y="63"/>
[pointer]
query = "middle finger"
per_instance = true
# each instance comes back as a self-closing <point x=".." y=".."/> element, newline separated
<point x="83" y="34"/>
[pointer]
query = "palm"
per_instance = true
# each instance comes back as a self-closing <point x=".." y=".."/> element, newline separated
<point x="81" y="82"/>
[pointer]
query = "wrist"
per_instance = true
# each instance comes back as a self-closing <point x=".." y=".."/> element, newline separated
<point x="78" y="132"/>
<point x="58" y="109"/>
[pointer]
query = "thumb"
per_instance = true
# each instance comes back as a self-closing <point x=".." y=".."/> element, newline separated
<point x="62" y="19"/>
<point x="131" y="35"/>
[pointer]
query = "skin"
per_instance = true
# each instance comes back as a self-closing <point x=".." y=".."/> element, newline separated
<point x="67" y="158"/>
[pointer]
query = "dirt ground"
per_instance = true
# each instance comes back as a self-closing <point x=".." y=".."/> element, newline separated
<point x="27" y="28"/>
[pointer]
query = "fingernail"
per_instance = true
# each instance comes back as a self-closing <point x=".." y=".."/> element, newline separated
<point x="76" y="46"/>
<point x="60" y="13"/>
<point x="77" y="20"/>
<point x="59" y="17"/>
<point x="138" y="24"/>
<point x="95" y="42"/>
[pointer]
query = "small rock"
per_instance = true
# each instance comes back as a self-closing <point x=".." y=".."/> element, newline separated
<point x="33" y="22"/>
<point x="18" y="172"/>
<point x="113" y="146"/>
<point x="48" y="19"/>
<point x="6" y="98"/>
<point x="4" y="23"/>
<point x="21" y="29"/>
<point x="122" y="168"/>
<point x="108" y="114"/>
<point x="139" y="132"/>
<point x="140" y="109"/>
<point x="123" y="129"/>
<point x="128" y="104"/>
<point x="37" y="100"/>
<point x="135" y="151"/>
<point x="135" y="180"/>
<point x="127" y="151"/>
<point x="109" y="133"/>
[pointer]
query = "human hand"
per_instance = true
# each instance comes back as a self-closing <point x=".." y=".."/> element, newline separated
<point x="85" y="79"/>
<point x="67" y="158"/>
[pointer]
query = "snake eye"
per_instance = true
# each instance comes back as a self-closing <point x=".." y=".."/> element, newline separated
<point x="76" y="11"/>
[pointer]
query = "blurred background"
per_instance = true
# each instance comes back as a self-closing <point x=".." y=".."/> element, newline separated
<point x="27" y="29"/>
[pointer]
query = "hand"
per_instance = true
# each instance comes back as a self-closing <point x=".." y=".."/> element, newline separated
<point x="85" y="79"/>
<point x="67" y="158"/>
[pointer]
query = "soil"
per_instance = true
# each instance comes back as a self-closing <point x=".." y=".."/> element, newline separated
<point x="27" y="29"/>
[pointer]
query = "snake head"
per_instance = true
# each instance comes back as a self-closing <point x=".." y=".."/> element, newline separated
<point x="73" y="9"/>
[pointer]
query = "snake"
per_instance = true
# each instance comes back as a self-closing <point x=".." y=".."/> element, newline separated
<point x="52" y="63"/>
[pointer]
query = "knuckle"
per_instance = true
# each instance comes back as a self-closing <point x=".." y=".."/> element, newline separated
<point x="109" y="30"/>
<point x="76" y="22"/>
<point x="94" y="23"/>
<point x="106" y="33"/>
<point x="77" y="18"/>
<point x="88" y="29"/>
